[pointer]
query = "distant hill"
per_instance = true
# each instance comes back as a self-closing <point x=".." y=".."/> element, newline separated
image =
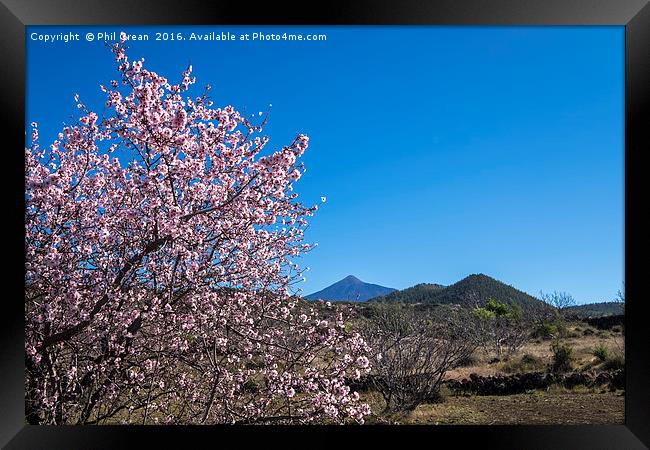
<point x="471" y="291"/>
<point x="595" y="310"/>
<point x="420" y="293"/>
<point x="350" y="288"/>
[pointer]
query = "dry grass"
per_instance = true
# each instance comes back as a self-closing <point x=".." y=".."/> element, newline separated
<point x="541" y="349"/>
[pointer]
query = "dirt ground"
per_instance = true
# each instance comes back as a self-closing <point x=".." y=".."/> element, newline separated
<point x="535" y="408"/>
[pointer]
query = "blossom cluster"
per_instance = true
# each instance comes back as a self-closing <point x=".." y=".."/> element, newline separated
<point x="160" y="248"/>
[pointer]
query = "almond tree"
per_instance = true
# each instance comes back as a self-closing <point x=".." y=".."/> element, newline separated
<point x="160" y="246"/>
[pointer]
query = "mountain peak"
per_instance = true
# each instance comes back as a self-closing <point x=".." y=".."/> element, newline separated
<point x="350" y="288"/>
<point x="479" y="276"/>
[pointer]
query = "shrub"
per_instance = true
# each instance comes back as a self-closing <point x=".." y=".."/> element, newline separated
<point x="527" y="363"/>
<point x="561" y="327"/>
<point x="529" y="359"/>
<point x="502" y="329"/>
<point x="554" y="328"/>
<point x="413" y="350"/>
<point x="601" y="352"/>
<point x="614" y="363"/>
<point x="562" y="357"/>
<point x="544" y="331"/>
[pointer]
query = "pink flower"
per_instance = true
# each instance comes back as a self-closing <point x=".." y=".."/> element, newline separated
<point x="363" y="362"/>
<point x="158" y="262"/>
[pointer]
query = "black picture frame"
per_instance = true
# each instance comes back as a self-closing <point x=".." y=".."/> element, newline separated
<point x="634" y="15"/>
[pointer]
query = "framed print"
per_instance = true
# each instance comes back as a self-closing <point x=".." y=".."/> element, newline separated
<point x="361" y="219"/>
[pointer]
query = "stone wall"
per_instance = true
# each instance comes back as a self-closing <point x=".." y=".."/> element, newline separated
<point x="519" y="383"/>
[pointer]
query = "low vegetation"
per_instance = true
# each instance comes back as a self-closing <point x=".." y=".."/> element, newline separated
<point x="411" y="352"/>
<point x="505" y="348"/>
<point x="563" y="356"/>
<point x="526" y="363"/>
<point x="427" y="355"/>
<point x="601" y="352"/>
<point x="501" y="329"/>
<point x="614" y="363"/>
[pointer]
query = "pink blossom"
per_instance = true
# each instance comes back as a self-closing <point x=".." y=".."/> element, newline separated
<point x="163" y="277"/>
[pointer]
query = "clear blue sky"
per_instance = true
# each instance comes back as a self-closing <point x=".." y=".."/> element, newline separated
<point x="442" y="151"/>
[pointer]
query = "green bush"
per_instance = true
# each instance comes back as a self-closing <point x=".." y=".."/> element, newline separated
<point x="562" y="329"/>
<point x="601" y="352"/>
<point x="544" y="330"/>
<point x="562" y="357"/>
<point x="553" y="328"/>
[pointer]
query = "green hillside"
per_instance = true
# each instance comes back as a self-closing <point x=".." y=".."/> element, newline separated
<point x="420" y="293"/>
<point x="471" y="291"/>
<point x="595" y="310"/>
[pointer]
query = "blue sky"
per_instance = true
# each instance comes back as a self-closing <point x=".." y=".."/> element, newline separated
<point x="442" y="151"/>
